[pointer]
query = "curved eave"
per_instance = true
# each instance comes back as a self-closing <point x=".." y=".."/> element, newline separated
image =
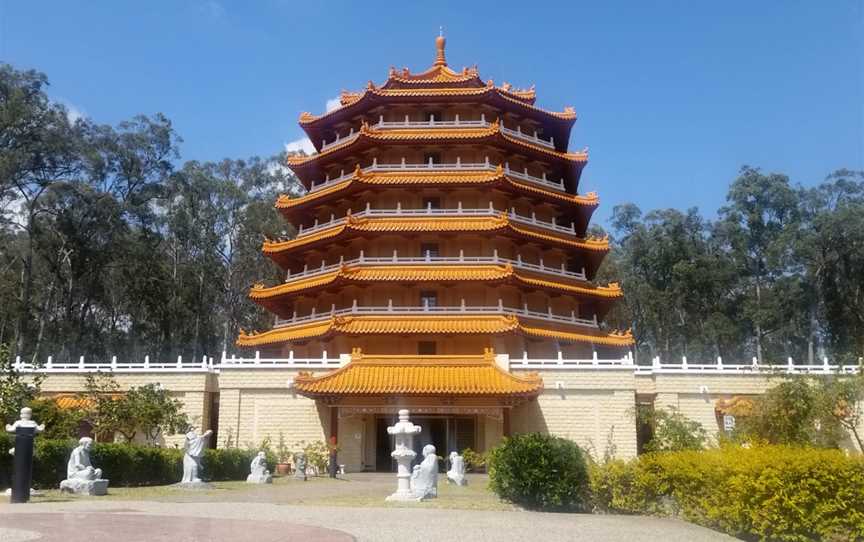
<point x="356" y="325"/>
<point x="310" y="167"/>
<point x="276" y="299"/>
<point x="574" y="207"/>
<point x="452" y="376"/>
<point x="555" y="124"/>
<point x="283" y="252"/>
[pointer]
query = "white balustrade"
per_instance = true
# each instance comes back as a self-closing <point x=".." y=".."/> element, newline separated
<point x="558" y="363"/>
<point x="447" y="260"/>
<point x="426" y="309"/>
<point x="444" y="166"/>
<point x="429" y="211"/>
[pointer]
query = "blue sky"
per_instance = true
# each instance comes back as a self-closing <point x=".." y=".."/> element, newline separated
<point x="673" y="97"/>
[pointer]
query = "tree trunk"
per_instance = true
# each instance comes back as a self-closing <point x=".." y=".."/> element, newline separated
<point x="758" y="324"/>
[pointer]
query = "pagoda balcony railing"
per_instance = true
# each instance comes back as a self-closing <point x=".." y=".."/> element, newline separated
<point x="429" y="211"/>
<point x="427" y="310"/>
<point x="395" y="259"/>
<point x="432" y="123"/>
<point x="458" y="165"/>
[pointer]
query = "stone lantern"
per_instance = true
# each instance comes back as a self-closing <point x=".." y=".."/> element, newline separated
<point x="404" y="454"/>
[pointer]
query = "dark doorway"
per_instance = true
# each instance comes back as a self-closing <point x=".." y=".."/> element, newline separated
<point x="446" y="433"/>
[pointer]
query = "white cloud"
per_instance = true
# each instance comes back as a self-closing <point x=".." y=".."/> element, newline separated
<point x="302" y="144"/>
<point x="333" y="103"/>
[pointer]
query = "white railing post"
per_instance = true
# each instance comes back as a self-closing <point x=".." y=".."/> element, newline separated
<point x="179" y="361"/>
<point x="257" y="357"/>
<point x="147" y="362"/>
<point x="684" y="362"/>
<point x="81" y="363"/>
<point x="790" y="365"/>
<point x="49" y="365"/>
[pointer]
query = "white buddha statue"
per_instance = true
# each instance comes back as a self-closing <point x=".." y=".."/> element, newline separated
<point x="424" y="481"/>
<point x="456" y="474"/>
<point x="81" y="476"/>
<point x="258" y="470"/>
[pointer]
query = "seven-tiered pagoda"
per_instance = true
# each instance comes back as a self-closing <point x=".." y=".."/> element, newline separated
<point x="442" y="217"/>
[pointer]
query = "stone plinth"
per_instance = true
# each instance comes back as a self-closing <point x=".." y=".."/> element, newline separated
<point x="84" y="487"/>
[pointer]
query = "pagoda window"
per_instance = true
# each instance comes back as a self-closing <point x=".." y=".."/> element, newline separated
<point x="427" y="348"/>
<point x="429" y="250"/>
<point x="432" y="158"/>
<point x="434" y="116"/>
<point x="428" y="298"/>
<point x="431" y="203"/>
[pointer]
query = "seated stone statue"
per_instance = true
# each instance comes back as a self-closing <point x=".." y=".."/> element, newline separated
<point x="258" y="470"/>
<point x="456" y="474"/>
<point x="81" y="477"/>
<point x="424" y="479"/>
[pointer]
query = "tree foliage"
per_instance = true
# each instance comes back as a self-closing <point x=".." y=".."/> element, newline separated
<point x="778" y="274"/>
<point x="108" y="246"/>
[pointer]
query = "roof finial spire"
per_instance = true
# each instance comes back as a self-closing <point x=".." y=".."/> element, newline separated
<point x="440" y="43"/>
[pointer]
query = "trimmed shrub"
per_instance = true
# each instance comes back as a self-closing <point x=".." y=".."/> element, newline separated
<point x="760" y="493"/>
<point x="125" y="464"/>
<point x="539" y="471"/>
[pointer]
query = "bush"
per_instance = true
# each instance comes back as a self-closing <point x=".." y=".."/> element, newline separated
<point x="124" y="464"/>
<point x="539" y="471"/>
<point x="761" y="493"/>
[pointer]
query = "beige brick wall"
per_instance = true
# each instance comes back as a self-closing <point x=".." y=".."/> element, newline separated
<point x="594" y="408"/>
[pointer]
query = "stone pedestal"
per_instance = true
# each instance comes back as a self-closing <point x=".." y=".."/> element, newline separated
<point x="404" y="454"/>
<point x="84" y="487"/>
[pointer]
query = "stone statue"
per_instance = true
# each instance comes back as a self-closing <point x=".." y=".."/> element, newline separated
<point x="456" y="474"/>
<point x="300" y="466"/>
<point x="258" y="470"/>
<point x="26" y="421"/>
<point x="193" y="452"/>
<point x="403" y="432"/>
<point x="81" y="477"/>
<point x="424" y="481"/>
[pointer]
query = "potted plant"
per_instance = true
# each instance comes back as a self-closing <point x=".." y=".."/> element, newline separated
<point x="283" y="457"/>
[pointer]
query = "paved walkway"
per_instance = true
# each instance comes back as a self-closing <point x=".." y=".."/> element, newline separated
<point x="296" y="511"/>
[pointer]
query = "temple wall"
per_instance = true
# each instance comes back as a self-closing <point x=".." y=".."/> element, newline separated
<point x="594" y="408"/>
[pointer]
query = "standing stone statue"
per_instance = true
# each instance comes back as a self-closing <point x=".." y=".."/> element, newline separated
<point x="456" y="474"/>
<point x="403" y="453"/>
<point x="258" y="470"/>
<point x="25" y="430"/>
<point x="300" y="466"/>
<point x="81" y="477"/>
<point x="194" y="451"/>
<point x="424" y="482"/>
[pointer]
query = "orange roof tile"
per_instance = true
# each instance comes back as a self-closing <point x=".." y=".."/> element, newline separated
<point x="429" y="273"/>
<point x="435" y="224"/>
<point x="493" y="131"/>
<point x="373" y="324"/>
<point x="420" y="375"/>
<point x="435" y="178"/>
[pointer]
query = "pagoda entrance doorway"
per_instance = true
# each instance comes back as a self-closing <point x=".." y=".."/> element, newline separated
<point x="446" y="433"/>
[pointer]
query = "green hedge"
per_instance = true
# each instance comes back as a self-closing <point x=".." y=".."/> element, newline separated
<point x="125" y="464"/>
<point x="761" y="493"/>
<point x="539" y="471"/>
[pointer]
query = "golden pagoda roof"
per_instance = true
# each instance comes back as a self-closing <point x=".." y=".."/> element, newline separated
<point x="376" y="324"/>
<point x="490" y="134"/>
<point x="357" y="272"/>
<point x="408" y="224"/>
<point x="403" y="178"/>
<point x="419" y="375"/>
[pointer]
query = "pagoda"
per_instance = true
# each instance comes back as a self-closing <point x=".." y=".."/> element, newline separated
<point x="442" y="222"/>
